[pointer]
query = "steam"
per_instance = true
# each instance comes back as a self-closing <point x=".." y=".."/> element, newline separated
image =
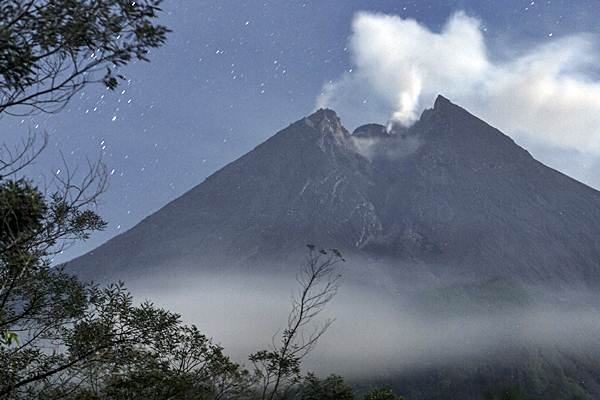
<point x="549" y="91"/>
<point x="393" y="148"/>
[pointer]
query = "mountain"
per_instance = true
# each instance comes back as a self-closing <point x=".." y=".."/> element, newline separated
<point x="449" y="218"/>
<point x="450" y="193"/>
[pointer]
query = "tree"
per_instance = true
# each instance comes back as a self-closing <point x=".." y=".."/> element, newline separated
<point x="62" y="338"/>
<point x="186" y="366"/>
<point x="279" y="367"/>
<point x="51" y="49"/>
<point x="34" y="226"/>
<point x="172" y="362"/>
<point x="92" y="328"/>
<point x="331" y="388"/>
<point x="65" y="339"/>
<point x="381" y="394"/>
<point x="38" y="303"/>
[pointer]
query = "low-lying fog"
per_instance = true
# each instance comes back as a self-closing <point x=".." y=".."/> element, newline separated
<point x="375" y="332"/>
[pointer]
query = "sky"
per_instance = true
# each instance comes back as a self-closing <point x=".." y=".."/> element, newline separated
<point x="235" y="72"/>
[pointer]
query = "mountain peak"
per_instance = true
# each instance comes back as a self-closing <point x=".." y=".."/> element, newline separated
<point x="441" y="106"/>
<point x="326" y="121"/>
<point x="444" y="107"/>
<point x="443" y="192"/>
<point x="323" y="114"/>
<point x="441" y="102"/>
<point x="450" y="211"/>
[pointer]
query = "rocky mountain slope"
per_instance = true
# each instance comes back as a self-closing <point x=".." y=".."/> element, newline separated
<point x="451" y="218"/>
<point x="450" y="194"/>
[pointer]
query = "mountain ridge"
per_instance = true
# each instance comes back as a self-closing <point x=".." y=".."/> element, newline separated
<point x="448" y="190"/>
<point x="448" y="219"/>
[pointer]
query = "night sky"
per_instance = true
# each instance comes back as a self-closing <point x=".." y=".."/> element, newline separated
<point x="234" y="72"/>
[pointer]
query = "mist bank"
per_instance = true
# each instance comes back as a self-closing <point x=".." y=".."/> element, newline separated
<point x="381" y="331"/>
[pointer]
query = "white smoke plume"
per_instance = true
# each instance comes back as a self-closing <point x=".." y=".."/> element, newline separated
<point x="549" y="92"/>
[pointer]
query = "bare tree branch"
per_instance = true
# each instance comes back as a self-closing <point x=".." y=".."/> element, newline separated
<point x="51" y="49"/>
<point x="319" y="281"/>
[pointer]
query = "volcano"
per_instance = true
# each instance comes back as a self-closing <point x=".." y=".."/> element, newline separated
<point x="450" y="193"/>
<point x="449" y="210"/>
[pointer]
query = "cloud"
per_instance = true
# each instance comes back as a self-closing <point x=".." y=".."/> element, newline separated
<point x="548" y="92"/>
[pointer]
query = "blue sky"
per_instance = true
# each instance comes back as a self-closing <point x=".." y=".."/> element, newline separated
<point x="235" y="72"/>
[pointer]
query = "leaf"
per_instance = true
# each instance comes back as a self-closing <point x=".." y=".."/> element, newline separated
<point x="11" y="337"/>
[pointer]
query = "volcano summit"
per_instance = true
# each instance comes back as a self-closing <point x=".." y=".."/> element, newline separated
<point x="451" y="194"/>
<point x="489" y="259"/>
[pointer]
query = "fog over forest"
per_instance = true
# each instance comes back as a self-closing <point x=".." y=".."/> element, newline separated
<point x="377" y="332"/>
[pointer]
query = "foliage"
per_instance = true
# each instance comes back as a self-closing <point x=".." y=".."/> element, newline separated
<point x="331" y="388"/>
<point x="65" y="339"/>
<point x="31" y="294"/>
<point x="381" y="394"/>
<point x="37" y="303"/>
<point x="50" y="49"/>
<point x="186" y="366"/>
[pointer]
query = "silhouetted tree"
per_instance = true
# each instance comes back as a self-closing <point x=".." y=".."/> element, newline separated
<point x="64" y="339"/>
<point x="50" y="49"/>
<point x="381" y="394"/>
<point x="331" y="388"/>
<point x="279" y="367"/>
